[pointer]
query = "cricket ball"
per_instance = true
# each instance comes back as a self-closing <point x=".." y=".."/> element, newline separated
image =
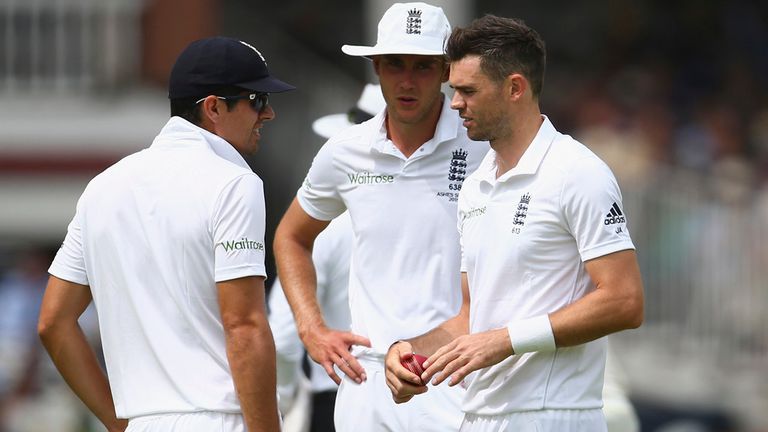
<point x="414" y="363"/>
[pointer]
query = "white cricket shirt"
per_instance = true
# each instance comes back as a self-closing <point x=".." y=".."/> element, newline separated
<point x="151" y="236"/>
<point x="404" y="275"/>
<point x="525" y="237"/>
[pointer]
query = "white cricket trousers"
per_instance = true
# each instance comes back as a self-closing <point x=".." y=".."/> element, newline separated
<point x="589" y="420"/>
<point x="203" y="421"/>
<point x="368" y="407"/>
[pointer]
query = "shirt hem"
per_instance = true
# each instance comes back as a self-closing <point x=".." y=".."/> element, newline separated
<point x="67" y="276"/>
<point x="606" y="249"/>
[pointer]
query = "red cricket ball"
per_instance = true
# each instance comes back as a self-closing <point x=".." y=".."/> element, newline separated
<point x="414" y="363"/>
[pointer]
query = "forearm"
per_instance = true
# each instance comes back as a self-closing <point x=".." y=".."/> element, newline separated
<point x="443" y="334"/>
<point x="77" y="363"/>
<point x="251" y="355"/>
<point x="592" y="317"/>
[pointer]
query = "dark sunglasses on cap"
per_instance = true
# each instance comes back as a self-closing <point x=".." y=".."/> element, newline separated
<point x="258" y="101"/>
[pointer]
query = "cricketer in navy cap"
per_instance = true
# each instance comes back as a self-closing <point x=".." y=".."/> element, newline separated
<point x="212" y="63"/>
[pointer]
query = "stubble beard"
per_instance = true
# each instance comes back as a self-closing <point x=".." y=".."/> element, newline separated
<point x="478" y="134"/>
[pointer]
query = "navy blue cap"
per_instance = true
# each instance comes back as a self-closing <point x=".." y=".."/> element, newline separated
<point x="210" y="64"/>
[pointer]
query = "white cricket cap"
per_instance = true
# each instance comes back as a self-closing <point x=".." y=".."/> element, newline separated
<point x="370" y="103"/>
<point x="408" y="28"/>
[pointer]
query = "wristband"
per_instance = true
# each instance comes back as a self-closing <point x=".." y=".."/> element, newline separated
<point x="532" y="334"/>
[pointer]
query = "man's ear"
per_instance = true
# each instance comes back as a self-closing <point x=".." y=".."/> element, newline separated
<point x="210" y="111"/>
<point x="515" y="86"/>
<point x="376" y="64"/>
<point x="210" y="108"/>
<point x="446" y="72"/>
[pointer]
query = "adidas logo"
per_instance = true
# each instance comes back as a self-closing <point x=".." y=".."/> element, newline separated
<point x="614" y="216"/>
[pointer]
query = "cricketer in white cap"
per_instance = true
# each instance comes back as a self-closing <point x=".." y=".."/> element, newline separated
<point x="399" y="176"/>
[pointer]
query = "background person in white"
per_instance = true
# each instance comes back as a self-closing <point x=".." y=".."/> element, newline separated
<point x="548" y="259"/>
<point x="398" y="175"/>
<point x="331" y="257"/>
<point x="169" y="244"/>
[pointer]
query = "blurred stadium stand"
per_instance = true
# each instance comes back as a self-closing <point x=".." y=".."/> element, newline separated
<point x="673" y="95"/>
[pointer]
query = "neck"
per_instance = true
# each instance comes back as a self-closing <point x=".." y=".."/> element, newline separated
<point x="510" y="148"/>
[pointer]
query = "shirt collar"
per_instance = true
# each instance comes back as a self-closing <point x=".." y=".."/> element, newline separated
<point x="530" y="161"/>
<point x="179" y="130"/>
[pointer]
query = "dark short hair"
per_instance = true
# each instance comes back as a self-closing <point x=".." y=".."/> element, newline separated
<point x="189" y="110"/>
<point x="504" y="45"/>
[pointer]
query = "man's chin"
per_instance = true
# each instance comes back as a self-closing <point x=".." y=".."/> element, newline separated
<point x="251" y="150"/>
<point x="477" y="136"/>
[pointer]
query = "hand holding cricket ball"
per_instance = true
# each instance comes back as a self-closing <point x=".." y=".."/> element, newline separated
<point x="403" y="372"/>
<point x="414" y="363"/>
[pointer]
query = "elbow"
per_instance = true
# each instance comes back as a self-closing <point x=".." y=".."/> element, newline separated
<point x="246" y="336"/>
<point x="244" y="325"/>
<point x="45" y="329"/>
<point x="238" y="326"/>
<point x="635" y="321"/>
<point x="277" y="241"/>
<point x="634" y="313"/>
<point x="285" y="238"/>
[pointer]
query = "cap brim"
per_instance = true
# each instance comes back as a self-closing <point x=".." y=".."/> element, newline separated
<point x="267" y="84"/>
<point x="367" y="51"/>
<point x="330" y="125"/>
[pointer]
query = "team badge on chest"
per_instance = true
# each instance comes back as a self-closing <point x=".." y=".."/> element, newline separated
<point x="521" y="212"/>
<point x="457" y="171"/>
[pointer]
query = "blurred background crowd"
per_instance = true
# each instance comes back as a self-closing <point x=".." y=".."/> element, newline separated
<point x="673" y="95"/>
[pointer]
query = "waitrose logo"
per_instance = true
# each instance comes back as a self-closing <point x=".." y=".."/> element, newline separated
<point x="366" y="177"/>
<point x="475" y="212"/>
<point x="242" y="244"/>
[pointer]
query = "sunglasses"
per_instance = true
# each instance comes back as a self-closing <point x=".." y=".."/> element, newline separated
<point x="258" y="101"/>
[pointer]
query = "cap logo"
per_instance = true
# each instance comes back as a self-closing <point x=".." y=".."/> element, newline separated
<point x="254" y="50"/>
<point x="413" y="22"/>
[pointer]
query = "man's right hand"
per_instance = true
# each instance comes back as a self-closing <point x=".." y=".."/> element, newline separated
<point x="403" y="383"/>
<point x="329" y="347"/>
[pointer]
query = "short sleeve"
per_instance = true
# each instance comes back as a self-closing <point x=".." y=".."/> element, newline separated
<point x="319" y="193"/>
<point x="238" y="229"/>
<point x="593" y="210"/>
<point x="69" y="263"/>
